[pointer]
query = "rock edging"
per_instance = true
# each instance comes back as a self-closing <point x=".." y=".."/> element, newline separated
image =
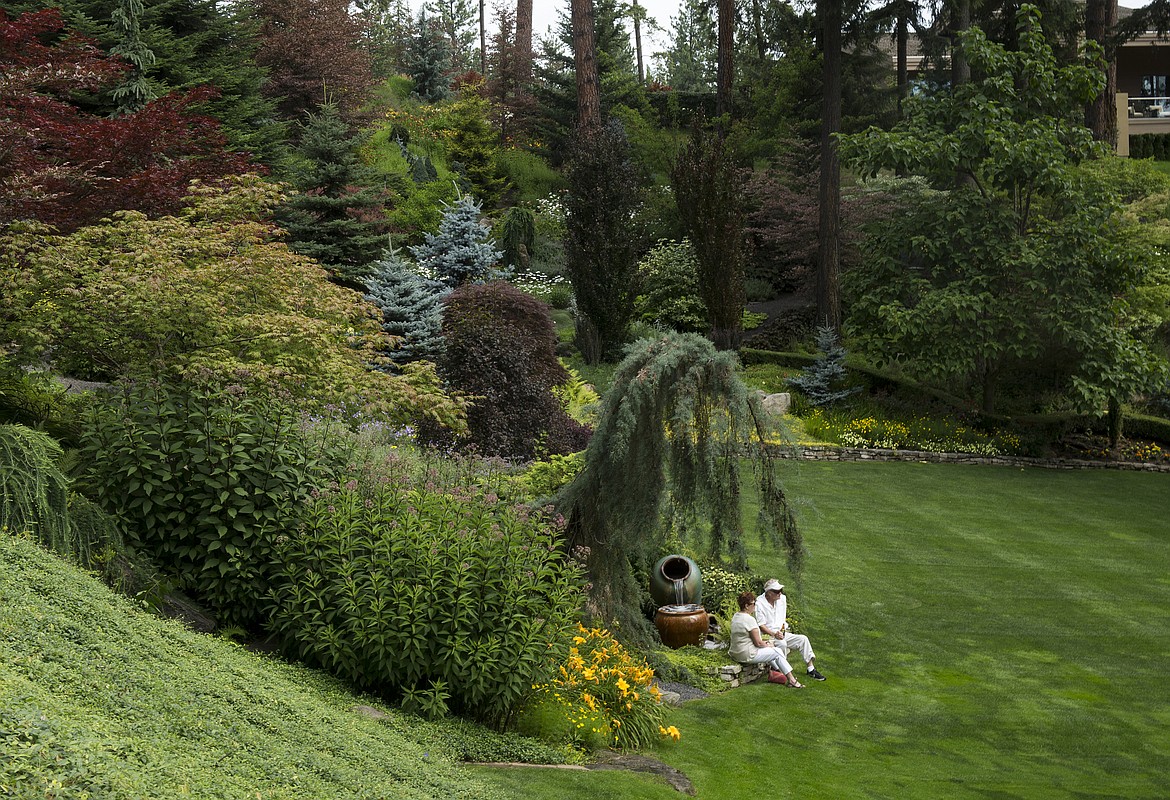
<point x="856" y="454"/>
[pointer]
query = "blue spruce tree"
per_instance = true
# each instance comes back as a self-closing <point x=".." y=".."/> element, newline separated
<point x="412" y="309"/>
<point x="821" y="381"/>
<point x="461" y="251"/>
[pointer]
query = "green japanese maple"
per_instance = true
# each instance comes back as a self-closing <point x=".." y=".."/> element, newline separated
<point x="210" y="293"/>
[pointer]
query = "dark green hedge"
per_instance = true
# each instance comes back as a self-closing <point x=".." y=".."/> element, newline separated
<point x="1150" y="145"/>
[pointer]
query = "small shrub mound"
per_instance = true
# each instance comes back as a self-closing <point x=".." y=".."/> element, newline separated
<point x="446" y="599"/>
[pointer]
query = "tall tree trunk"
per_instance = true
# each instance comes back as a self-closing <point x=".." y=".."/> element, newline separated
<point x="758" y="26"/>
<point x="903" y="54"/>
<point x="524" y="41"/>
<point x="1101" y="113"/>
<point x="726" y="55"/>
<point x="638" y="41"/>
<point x="828" y="252"/>
<point x="960" y="69"/>
<point x="482" y="41"/>
<point x="585" y="61"/>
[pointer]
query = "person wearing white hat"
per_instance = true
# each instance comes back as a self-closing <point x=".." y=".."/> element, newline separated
<point x="772" y="614"/>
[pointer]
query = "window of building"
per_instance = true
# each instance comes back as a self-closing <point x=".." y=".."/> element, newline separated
<point x="1154" y="85"/>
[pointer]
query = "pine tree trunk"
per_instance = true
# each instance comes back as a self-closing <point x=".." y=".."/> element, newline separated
<point x="828" y="255"/>
<point x="585" y="61"/>
<point x="1101" y="113"/>
<point x="638" y="42"/>
<point x="482" y="41"/>
<point x="960" y="69"/>
<point x="726" y="58"/>
<point x="524" y="41"/>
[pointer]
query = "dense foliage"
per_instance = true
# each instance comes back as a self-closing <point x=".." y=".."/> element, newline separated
<point x="500" y="348"/>
<point x="67" y="166"/>
<point x="210" y="293"/>
<point x="668" y="275"/>
<point x="440" y="596"/>
<point x="1019" y="271"/>
<point x="204" y="482"/>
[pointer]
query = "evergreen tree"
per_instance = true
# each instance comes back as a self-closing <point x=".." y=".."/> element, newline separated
<point x="709" y="191"/>
<point x="412" y="309"/>
<point x="457" y="19"/>
<point x="314" y="51"/>
<point x="461" y="251"/>
<point x="387" y="28"/>
<point x="821" y="380"/>
<point x="474" y="145"/>
<point x="556" y="85"/>
<point x="335" y="217"/>
<point x="602" y="243"/>
<point x="689" y="63"/>
<point x="135" y="91"/>
<point x="429" y="61"/>
<point x="677" y="417"/>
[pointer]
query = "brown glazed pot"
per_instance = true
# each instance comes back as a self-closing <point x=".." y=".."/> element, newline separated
<point x="679" y="626"/>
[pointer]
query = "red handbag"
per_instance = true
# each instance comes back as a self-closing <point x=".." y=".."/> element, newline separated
<point x="776" y="676"/>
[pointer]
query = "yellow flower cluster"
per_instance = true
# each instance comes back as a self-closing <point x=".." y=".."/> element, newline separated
<point x="603" y="690"/>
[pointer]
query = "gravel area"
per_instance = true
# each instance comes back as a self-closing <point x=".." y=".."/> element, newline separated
<point x="684" y="691"/>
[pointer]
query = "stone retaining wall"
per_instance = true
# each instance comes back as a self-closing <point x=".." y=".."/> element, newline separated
<point x="831" y="453"/>
<point x="739" y="674"/>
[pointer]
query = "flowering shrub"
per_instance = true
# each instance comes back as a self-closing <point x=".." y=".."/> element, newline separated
<point x="605" y="693"/>
<point x="921" y="433"/>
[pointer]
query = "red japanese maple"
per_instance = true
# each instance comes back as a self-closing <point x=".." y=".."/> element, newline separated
<point x="69" y="167"/>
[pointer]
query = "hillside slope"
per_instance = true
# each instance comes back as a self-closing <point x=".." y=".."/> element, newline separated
<point x="98" y="698"/>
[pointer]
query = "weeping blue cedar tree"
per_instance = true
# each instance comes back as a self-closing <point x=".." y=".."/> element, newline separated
<point x="677" y="417"/>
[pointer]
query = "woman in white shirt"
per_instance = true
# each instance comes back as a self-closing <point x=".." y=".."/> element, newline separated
<point x="747" y="646"/>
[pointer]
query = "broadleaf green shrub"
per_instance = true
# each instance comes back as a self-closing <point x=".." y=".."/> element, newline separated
<point x="204" y="483"/>
<point x="669" y="276"/>
<point x="443" y="597"/>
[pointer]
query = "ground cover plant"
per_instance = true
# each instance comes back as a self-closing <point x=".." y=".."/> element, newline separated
<point x="955" y="611"/>
<point x="100" y="699"/>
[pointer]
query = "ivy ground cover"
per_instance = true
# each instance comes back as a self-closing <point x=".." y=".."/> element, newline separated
<point x="987" y="632"/>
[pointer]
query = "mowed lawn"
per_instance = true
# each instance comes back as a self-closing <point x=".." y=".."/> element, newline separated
<point x="987" y="632"/>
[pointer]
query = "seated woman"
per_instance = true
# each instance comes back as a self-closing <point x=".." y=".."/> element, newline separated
<point x="747" y="646"/>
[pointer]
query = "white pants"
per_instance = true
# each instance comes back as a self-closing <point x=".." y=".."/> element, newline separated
<point x="800" y="643"/>
<point x="773" y="656"/>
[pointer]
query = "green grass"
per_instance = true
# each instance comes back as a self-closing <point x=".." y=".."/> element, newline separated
<point x="987" y="632"/>
<point x="99" y="699"/>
